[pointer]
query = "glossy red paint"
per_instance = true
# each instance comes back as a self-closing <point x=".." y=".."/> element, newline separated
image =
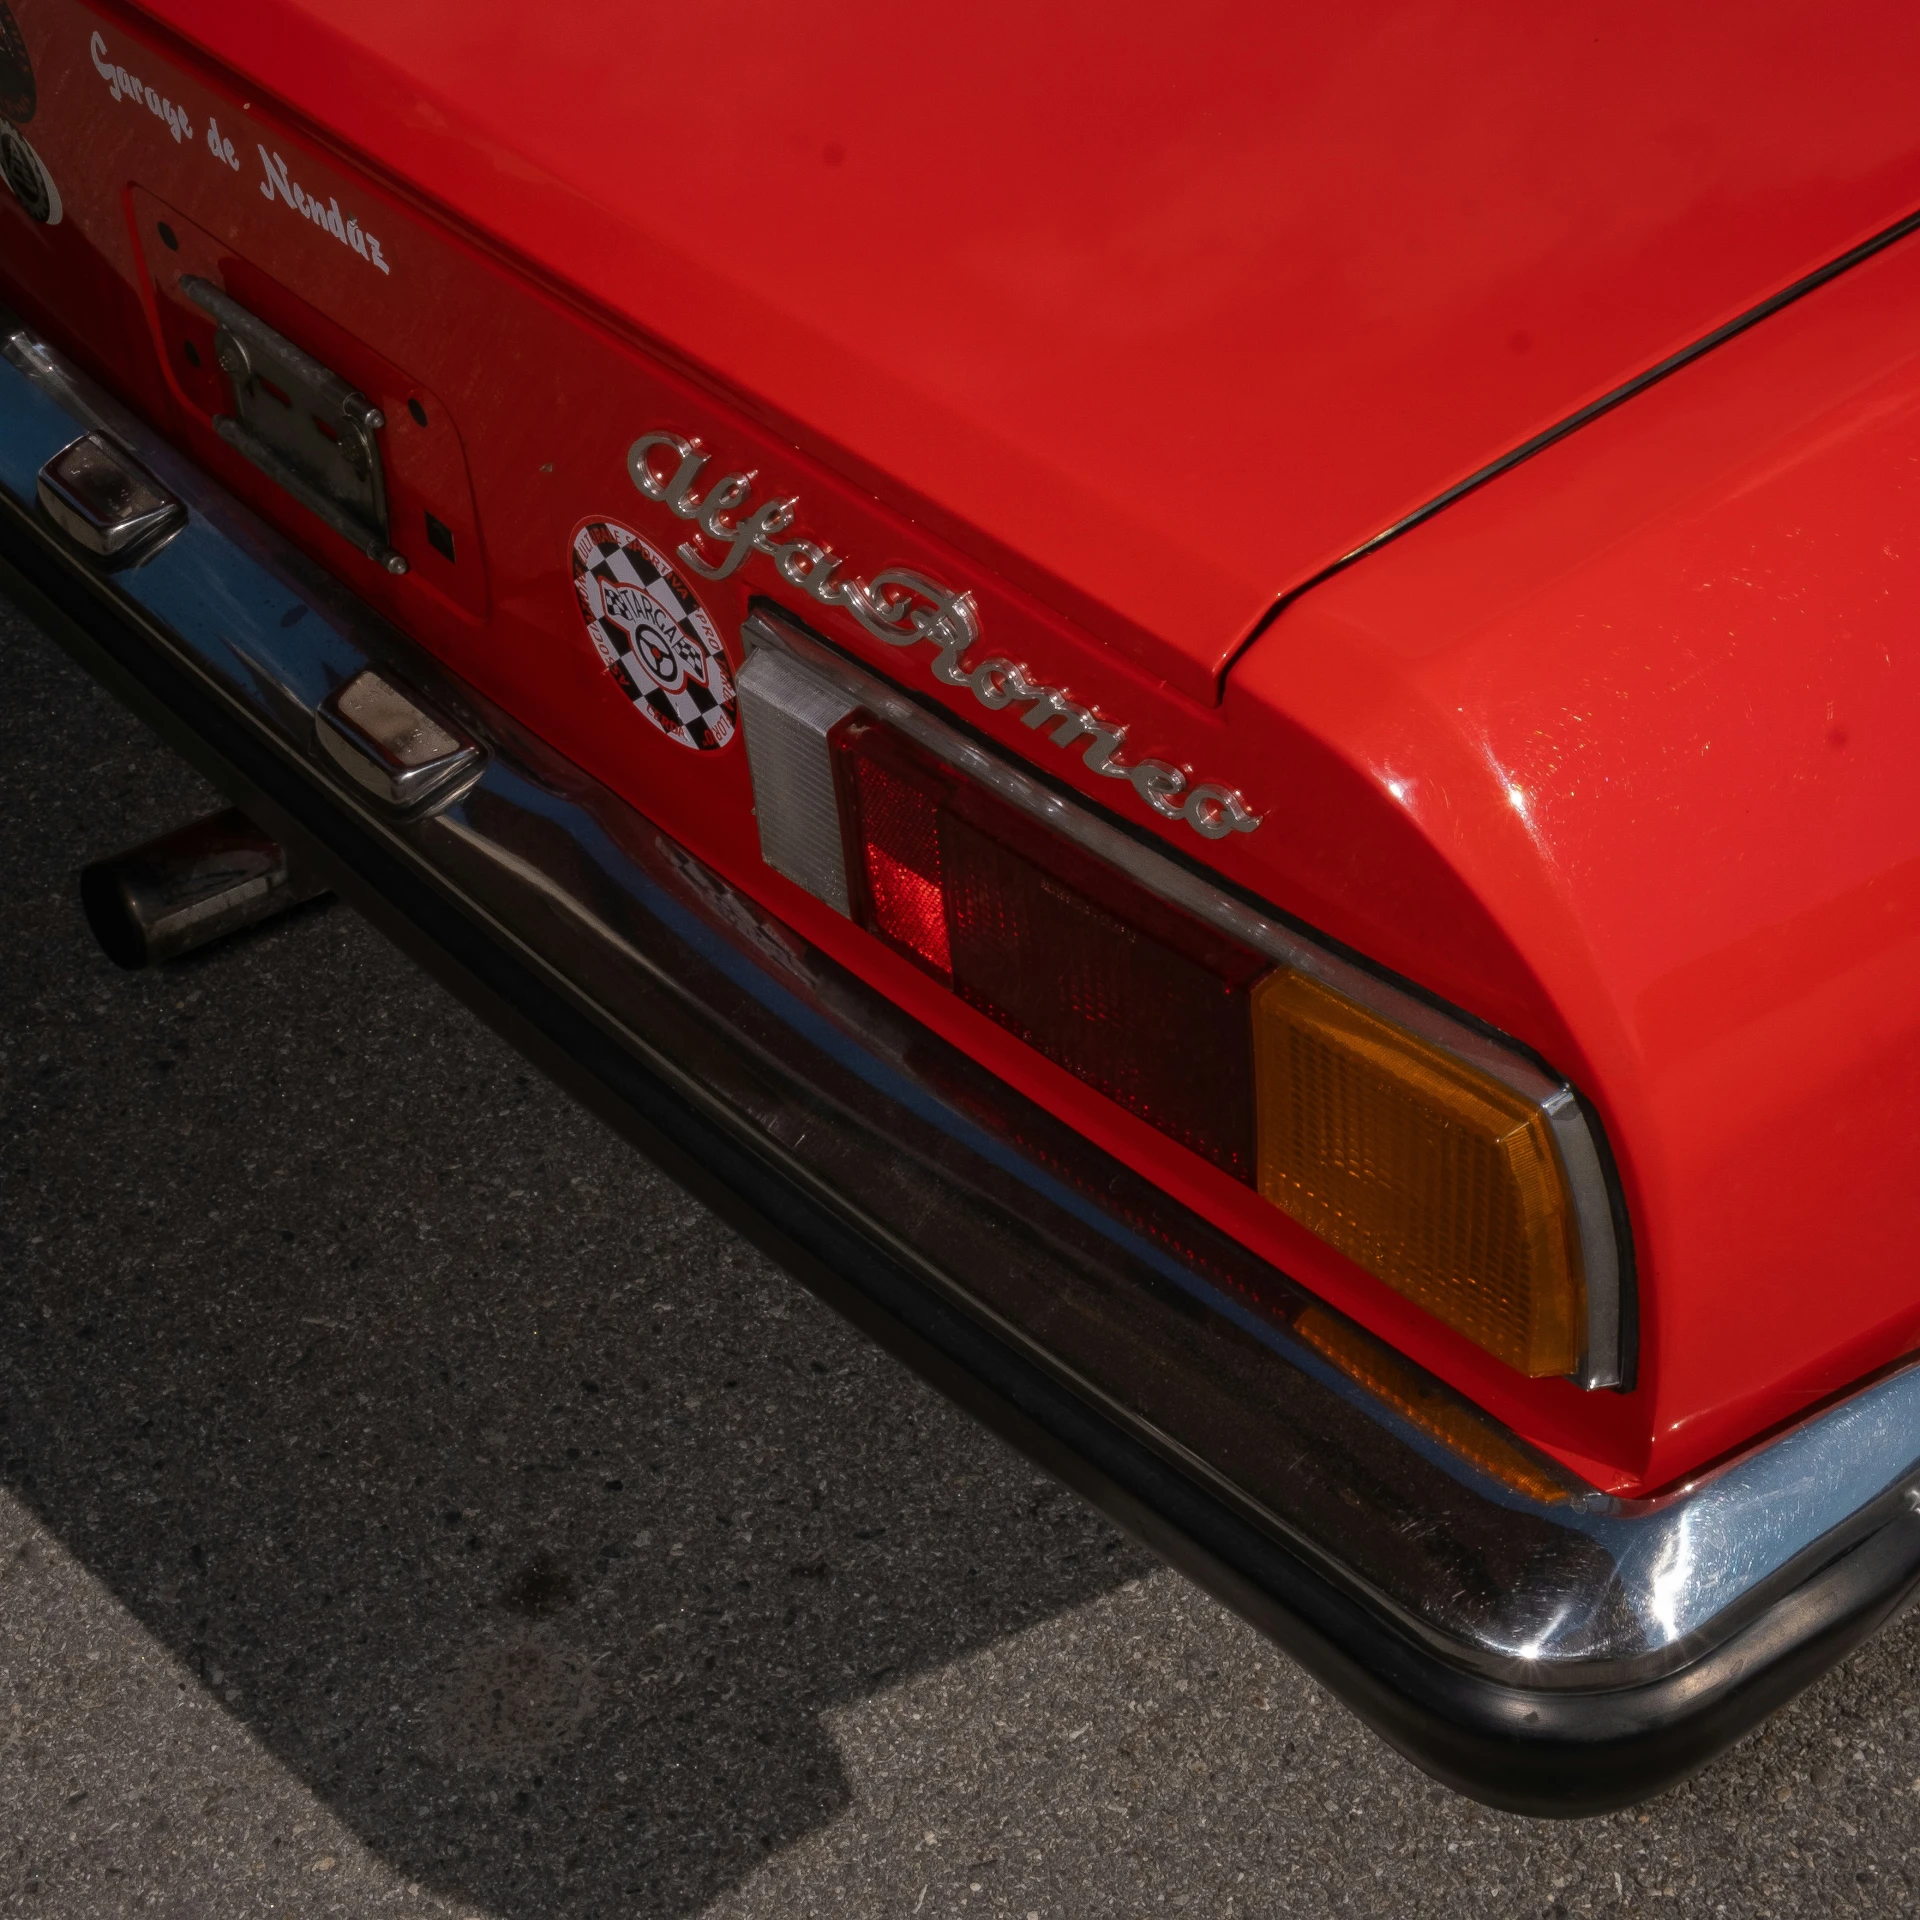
<point x="1486" y="755"/>
<point x="1157" y="320"/>
<point x="1654" y="697"/>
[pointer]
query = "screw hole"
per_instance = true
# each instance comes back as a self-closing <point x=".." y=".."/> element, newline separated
<point x="191" y="351"/>
<point x="418" y="411"/>
<point x="168" y="237"/>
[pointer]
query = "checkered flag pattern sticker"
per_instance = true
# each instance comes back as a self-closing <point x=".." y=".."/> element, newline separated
<point x="655" y="637"/>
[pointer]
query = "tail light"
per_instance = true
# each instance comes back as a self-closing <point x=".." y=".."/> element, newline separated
<point x="1433" y="1155"/>
<point x="1138" y="999"/>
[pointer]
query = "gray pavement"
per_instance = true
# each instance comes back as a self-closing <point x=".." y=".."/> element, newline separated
<point x="412" y="1503"/>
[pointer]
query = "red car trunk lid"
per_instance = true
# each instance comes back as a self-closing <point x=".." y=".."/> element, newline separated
<point x="1157" y="323"/>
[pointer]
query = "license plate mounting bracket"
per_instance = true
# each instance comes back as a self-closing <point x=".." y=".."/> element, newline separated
<point x="300" y="423"/>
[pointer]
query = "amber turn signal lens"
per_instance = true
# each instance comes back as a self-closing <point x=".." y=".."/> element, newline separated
<point x="1434" y="1177"/>
<point x="1424" y="1404"/>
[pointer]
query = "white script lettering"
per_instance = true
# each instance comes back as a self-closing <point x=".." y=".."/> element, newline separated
<point x="219" y="146"/>
<point x="123" y="85"/>
<point x="325" y="214"/>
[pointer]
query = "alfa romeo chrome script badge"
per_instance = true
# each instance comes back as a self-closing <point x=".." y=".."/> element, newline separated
<point x="654" y="635"/>
<point x="902" y="608"/>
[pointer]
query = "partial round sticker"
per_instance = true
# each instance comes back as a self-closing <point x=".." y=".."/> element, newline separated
<point x="18" y="95"/>
<point x="654" y="635"/>
<point x="27" y="175"/>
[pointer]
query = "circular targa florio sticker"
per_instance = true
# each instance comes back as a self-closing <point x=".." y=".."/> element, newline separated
<point x="653" y="634"/>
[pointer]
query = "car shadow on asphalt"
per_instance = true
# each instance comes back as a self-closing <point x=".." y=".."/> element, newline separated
<point x="510" y="1500"/>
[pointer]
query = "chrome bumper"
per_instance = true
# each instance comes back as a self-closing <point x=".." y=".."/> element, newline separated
<point x="1551" y="1650"/>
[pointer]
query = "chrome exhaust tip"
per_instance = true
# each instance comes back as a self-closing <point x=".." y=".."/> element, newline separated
<point x="190" y="887"/>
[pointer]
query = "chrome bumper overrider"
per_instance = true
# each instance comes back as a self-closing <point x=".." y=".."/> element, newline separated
<point x="1555" y="1650"/>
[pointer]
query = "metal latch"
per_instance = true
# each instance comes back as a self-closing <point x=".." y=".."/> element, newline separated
<point x="300" y="424"/>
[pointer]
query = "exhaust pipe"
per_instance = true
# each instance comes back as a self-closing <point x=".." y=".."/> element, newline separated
<point x="195" y="885"/>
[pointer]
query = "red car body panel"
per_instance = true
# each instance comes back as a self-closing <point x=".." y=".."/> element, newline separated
<point x="1652" y="695"/>
<point x="1159" y="323"/>
<point x="1607" y="753"/>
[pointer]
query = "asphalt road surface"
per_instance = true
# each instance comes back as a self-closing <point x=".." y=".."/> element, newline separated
<point x="411" y="1503"/>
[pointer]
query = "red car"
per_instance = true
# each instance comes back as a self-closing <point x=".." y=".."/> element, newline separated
<point x="1216" y="712"/>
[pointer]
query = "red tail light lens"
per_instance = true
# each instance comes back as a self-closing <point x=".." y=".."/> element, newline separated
<point x="1144" y="1003"/>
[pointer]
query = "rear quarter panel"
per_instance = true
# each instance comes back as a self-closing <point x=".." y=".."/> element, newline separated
<point x="1654" y="696"/>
